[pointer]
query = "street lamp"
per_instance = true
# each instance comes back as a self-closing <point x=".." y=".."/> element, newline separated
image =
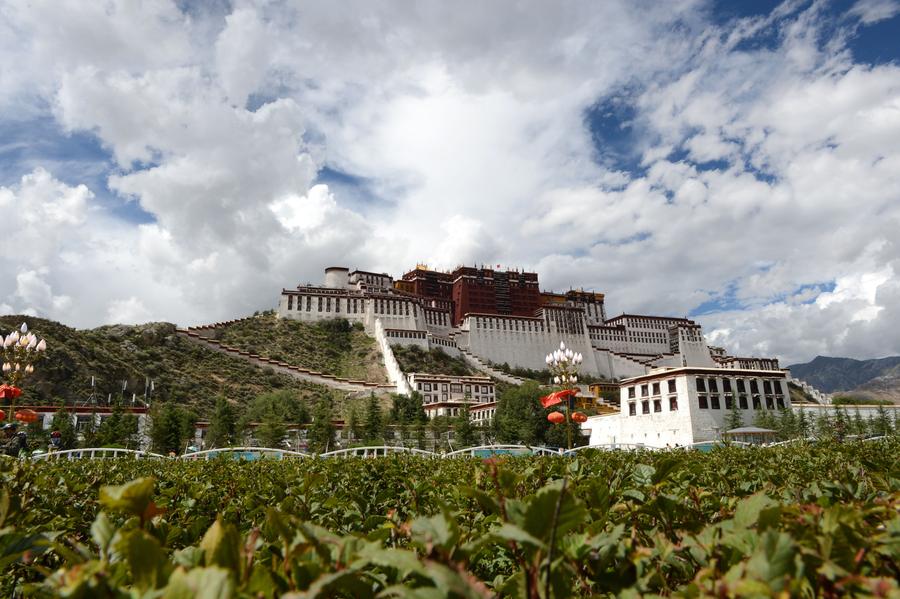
<point x="563" y="365"/>
<point x="19" y="350"/>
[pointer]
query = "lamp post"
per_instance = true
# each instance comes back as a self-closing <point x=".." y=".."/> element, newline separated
<point x="19" y="350"/>
<point x="563" y="365"/>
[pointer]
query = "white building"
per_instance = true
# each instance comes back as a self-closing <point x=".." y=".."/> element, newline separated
<point x="671" y="407"/>
<point x="621" y="347"/>
<point x="446" y="395"/>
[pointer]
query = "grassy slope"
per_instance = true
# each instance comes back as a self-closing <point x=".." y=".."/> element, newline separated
<point x="414" y="359"/>
<point x="182" y="371"/>
<point x="330" y="347"/>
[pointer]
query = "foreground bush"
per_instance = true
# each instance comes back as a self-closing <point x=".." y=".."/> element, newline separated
<point x="806" y="520"/>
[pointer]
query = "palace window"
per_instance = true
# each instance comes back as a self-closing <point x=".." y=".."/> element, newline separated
<point x="767" y="387"/>
<point x="770" y="403"/>
<point x="756" y="404"/>
<point x="645" y="407"/>
<point x="714" y="401"/>
<point x="428" y="386"/>
<point x="713" y="386"/>
<point x="703" y="403"/>
<point x="290" y="302"/>
<point x="672" y="386"/>
<point x="740" y="386"/>
<point x="780" y="400"/>
<point x="701" y="384"/>
<point x="630" y="392"/>
<point x="320" y="304"/>
<point x="726" y="385"/>
<point x="754" y="386"/>
<point x="742" y="402"/>
<point x="655" y="389"/>
<point x="673" y="404"/>
<point x="632" y="409"/>
<point x="657" y="405"/>
<point x="645" y="390"/>
<point x="455" y="388"/>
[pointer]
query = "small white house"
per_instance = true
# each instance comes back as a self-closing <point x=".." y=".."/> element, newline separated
<point x="671" y="407"/>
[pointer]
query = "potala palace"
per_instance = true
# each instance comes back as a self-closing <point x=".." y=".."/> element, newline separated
<point x="675" y="389"/>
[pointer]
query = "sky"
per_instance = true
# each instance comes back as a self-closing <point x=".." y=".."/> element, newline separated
<point x="734" y="162"/>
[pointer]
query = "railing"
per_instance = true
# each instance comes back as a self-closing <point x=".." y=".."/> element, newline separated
<point x="245" y="453"/>
<point x="374" y="452"/>
<point x="92" y="453"/>
<point x="491" y="450"/>
<point x="611" y="447"/>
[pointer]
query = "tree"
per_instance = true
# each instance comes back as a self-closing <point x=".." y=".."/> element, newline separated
<point x="465" y="433"/>
<point x="171" y="426"/>
<point x="824" y="428"/>
<point x="859" y="426"/>
<point x="62" y="422"/>
<point x="118" y="430"/>
<point x="271" y="431"/>
<point x="222" y="430"/>
<point x="803" y="424"/>
<point x="735" y="417"/>
<point x="407" y="409"/>
<point x="764" y="419"/>
<point x="882" y="424"/>
<point x="286" y="403"/>
<point x="840" y="424"/>
<point x="519" y="417"/>
<point x="420" y="435"/>
<point x="787" y="424"/>
<point x="374" y="423"/>
<point x="320" y="435"/>
<point x="353" y="425"/>
<point x="439" y="426"/>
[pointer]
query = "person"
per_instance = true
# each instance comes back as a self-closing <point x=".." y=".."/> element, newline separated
<point x="13" y="442"/>
<point x="55" y="441"/>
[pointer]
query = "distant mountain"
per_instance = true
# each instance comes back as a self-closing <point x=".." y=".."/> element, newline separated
<point x="879" y="378"/>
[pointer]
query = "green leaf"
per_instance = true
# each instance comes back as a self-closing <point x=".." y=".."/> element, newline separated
<point x="102" y="532"/>
<point x="542" y="507"/>
<point x="405" y="562"/>
<point x="132" y="498"/>
<point x="439" y="530"/>
<point x="221" y="546"/>
<point x="345" y="583"/>
<point x="643" y="474"/>
<point x="200" y="583"/>
<point x="748" y="510"/>
<point x="145" y="558"/>
<point x="511" y="532"/>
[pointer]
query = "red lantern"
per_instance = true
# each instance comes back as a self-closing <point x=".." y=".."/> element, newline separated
<point x="26" y="416"/>
<point x="578" y="417"/>
<point x="556" y="417"/>
<point x="2" y="415"/>
<point x="9" y="392"/>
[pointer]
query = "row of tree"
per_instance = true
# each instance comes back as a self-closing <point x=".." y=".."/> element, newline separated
<point x="519" y="418"/>
<point x="835" y="423"/>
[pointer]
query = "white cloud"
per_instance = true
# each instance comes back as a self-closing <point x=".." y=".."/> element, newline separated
<point x="466" y="126"/>
<point x="128" y="311"/>
<point x="872" y="11"/>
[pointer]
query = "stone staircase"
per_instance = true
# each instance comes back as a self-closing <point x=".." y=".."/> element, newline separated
<point x="480" y="365"/>
<point x="302" y="374"/>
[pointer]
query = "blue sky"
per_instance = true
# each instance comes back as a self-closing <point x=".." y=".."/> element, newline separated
<point x="733" y="161"/>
